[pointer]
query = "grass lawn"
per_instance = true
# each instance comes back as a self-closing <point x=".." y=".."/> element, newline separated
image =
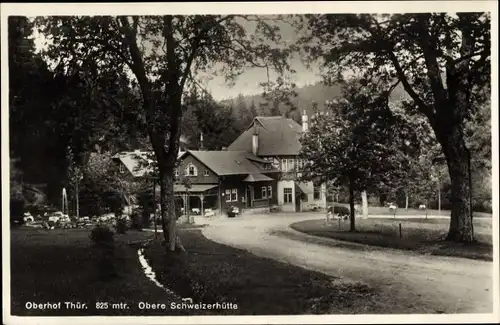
<point x="401" y="211"/>
<point x="211" y="272"/>
<point x="419" y="235"/>
<point x="61" y="266"/>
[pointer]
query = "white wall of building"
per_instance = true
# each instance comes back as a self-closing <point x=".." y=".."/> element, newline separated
<point x="311" y="202"/>
<point x="304" y="206"/>
<point x="288" y="207"/>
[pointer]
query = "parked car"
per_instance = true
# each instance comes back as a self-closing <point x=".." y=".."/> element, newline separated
<point x="233" y="212"/>
<point x="106" y="217"/>
<point x="315" y="208"/>
<point x="422" y="207"/>
<point x="393" y="207"/>
<point x="209" y="213"/>
<point x="58" y="215"/>
<point x="27" y="217"/>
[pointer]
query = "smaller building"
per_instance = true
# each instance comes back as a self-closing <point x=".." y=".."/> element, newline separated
<point x="217" y="180"/>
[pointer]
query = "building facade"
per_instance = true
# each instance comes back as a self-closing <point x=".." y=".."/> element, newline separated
<point x="218" y="180"/>
<point x="260" y="170"/>
<point x="277" y="140"/>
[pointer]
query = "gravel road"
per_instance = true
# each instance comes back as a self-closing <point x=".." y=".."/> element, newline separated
<point x="407" y="282"/>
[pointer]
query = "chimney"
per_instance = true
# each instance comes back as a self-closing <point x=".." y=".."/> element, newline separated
<point x="201" y="141"/>
<point x="255" y="142"/>
<point x="305" y="124"/>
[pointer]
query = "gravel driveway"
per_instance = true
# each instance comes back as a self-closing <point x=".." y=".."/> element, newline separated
<point x="409" y="282"/>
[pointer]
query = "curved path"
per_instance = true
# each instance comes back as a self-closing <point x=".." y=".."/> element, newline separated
<point x="408" y="282"/>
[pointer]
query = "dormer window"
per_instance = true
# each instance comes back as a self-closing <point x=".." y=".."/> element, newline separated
<point x="191" y="170"/>
<point x="206" y="173"/>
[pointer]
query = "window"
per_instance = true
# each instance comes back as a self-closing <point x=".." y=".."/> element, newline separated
<point x="299" y="165"/>
<point x="257" y="195"/>
<point x="191" y="170"/>
<point x="228" y="195"/>
<point x="287" y="194"/>
<point x="121" y="168"/>
<point x="317" y="192"/>
<point x="288" y="165"/>
<point x="234" y="195"/>
<point x="269" y="191"/>
<point x="176" y="172"/>
<point x="206" y="173"/>
<point x="264" y="192"/>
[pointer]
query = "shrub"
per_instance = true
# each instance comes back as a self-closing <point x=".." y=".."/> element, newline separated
<point x="342" y="211"/>
<point x="16" y="211"/>
<point x="136" y="220"/>
<point x="121" y="225"/>
<point x="102" y="235"/>
<point x="146" y="218"/>
<point x="105" y="260"/>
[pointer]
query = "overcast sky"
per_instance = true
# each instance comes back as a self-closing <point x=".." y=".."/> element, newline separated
<point x="248" y="82"/>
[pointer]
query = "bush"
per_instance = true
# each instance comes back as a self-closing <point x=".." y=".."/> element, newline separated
<point x="101" y="235"/>
<point x="136" y="220"/>
<point x="16" y="211"/>
<point x="146" y="218"/>
<point x="105" y="260"/>
<point x="121" y="225"/>
<point x="342" y="211"/>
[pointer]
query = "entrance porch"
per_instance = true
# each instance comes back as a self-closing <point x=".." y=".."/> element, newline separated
<point x="197" y="199"/>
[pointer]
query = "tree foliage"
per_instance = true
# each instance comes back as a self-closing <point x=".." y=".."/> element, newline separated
<point x="102" y="188"/>
<point x="358" y="144"/>
<point x="161" y="55"/>
<point x="442" y="61"/>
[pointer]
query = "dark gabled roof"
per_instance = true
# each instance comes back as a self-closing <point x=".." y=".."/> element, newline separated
<point x="229" y="162"/>
<point x="278" y="136"/>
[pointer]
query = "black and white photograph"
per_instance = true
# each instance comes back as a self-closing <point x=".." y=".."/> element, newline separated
<point x="258" y="162"/>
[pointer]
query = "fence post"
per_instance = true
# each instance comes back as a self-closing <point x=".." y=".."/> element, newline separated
<point x="400" y="234"/>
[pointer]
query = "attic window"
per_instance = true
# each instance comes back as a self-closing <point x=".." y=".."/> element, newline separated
<point x="191" y="170"/>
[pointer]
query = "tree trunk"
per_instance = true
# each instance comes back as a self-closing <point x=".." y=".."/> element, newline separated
<point x="439" y="198"/>
<point x="407" y="200"/>
<point x="167" y="203"/>
<point x="364" y="199"/>
<point x="382" y="199"/>
<point x="351" y="206"/>
<point x="456" y="153"/>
